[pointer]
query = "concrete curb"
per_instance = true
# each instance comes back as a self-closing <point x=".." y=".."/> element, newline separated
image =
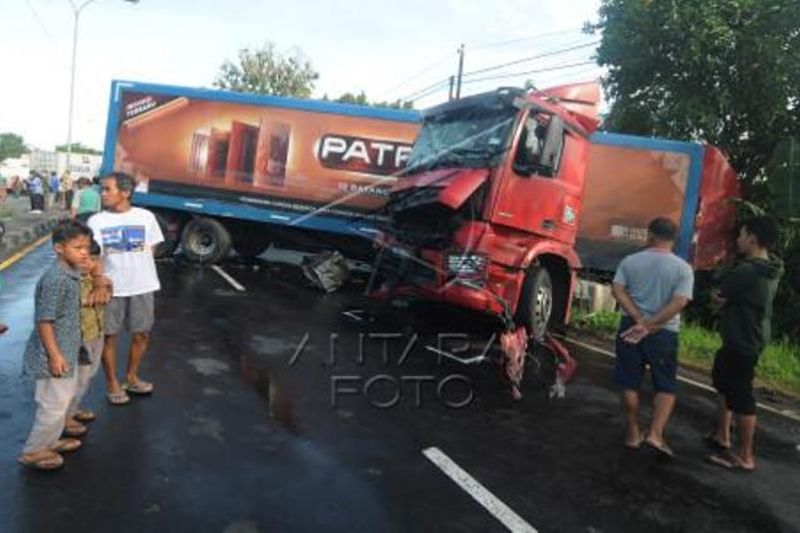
<point x="15" y="240"/>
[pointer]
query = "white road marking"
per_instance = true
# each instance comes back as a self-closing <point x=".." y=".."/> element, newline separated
<point x="471" y="361"/>
<point x="781" y="412"/>
<point x="227" y="277"/>
<point x="489" y="501"/>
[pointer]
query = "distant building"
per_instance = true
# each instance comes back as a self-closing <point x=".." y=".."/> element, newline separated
<point x="46" y="161"/>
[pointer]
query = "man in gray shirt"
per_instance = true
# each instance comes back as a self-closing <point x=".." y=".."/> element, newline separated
<point x="652" y="287"/>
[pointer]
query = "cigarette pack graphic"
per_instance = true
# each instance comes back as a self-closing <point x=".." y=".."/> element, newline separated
<point x="217" y="161"/>
<point x="272" y="153"/>
<point x="199" y="157"/>
<point x="241" y="153"/>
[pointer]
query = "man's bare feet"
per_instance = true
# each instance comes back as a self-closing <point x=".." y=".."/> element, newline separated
<point x="633" y="439"/>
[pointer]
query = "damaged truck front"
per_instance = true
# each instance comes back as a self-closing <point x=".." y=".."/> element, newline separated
<point x="486" y="213"/>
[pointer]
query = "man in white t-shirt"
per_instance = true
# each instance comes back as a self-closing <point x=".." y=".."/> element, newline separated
<point x="127" y="236"/>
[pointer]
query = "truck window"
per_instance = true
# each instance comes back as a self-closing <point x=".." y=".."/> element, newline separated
<point x="533" y="143"/>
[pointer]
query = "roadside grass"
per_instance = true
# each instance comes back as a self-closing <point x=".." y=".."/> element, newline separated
<point x="5" y="213"/>
<point x="778" y="368"/>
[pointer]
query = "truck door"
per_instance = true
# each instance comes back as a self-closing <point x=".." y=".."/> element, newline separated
<point x="540" y="186"/>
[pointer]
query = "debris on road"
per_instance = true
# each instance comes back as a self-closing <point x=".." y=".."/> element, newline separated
<point x="514" y="344"/>
<point x="359" y="316"/>
<point x="327" y="271"/>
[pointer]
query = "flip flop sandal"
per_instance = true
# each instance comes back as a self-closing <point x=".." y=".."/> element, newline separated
<point x="66" y="445"/>
<point x="635" y="447"/>
<point x="728" y="461"/>
<point x="75" y="430"/>
<point x="52" y="462"/>
<point x="142" y="388"/>
<point x="84" y="416"/>
<point x="663" y="449"/>
<point x="118" y="398"/>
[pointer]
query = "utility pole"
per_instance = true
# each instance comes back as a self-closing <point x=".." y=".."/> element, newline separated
<point x="460" y="71"/>
<point x="452" y="84"/>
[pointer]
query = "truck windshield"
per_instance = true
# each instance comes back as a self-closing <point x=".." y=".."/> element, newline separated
<point x="472" y="137"/>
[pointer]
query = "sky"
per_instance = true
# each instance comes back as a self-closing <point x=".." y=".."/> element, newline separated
<point x="388" y="49"/>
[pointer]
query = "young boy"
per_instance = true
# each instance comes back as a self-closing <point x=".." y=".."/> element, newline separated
<point x="93" y="300"/>
<point x="51" y="354"/>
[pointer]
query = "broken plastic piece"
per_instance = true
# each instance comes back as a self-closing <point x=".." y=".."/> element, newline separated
<point x="514" y="344"/>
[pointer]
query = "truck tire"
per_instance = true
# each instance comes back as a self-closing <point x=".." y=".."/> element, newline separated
<point x="170" y="243"/>
<point x="205" y="240"/>
<point x="535" y="309"/>
<point x="249" y="243"/>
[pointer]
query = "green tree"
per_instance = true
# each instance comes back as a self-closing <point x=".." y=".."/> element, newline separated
<point x="350" y="98"/>
<point x="722" y="71"/>
<point x="78" y="148"/>
<point x="266" y="70"/>
<point x="11" y="145"/>
<point x="361" y="99"/>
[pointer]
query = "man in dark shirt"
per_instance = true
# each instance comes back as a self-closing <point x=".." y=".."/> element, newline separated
<point x="745" y="297"/>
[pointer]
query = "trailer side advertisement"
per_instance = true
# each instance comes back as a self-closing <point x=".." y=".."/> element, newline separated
<point x="265" y="156"/>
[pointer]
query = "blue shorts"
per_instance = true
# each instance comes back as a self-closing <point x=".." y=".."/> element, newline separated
<point x="659" y="351"/>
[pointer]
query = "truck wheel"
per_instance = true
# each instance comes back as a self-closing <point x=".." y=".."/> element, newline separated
<point x="205" y="240"/>
<point x="535" y="307"/>
<point x="250" y="245"/>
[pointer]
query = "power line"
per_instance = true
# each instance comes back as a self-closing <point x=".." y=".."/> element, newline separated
<point x="416" y="95"/>
<point x="531" y="58"/>
<point x="535" y="71"/>
<point x="523" y="39"/>
<point x="419" y="73"/>
<point x="427" y="93"/>
<point x="411" y="96"/>
<point x="40" y="22"/>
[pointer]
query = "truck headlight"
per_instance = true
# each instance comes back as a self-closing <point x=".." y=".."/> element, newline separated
<point x="467" y="265"/>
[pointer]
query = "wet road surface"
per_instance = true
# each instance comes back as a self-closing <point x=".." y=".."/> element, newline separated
<point x="274" y="412"/>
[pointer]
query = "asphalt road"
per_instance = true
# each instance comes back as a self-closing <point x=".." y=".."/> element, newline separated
<point x="275" y="412"/>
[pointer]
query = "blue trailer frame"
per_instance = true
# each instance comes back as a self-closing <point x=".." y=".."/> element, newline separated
<point x="220" y="208"/>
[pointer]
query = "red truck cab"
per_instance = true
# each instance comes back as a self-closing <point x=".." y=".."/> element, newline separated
<point x="486" y="213"/>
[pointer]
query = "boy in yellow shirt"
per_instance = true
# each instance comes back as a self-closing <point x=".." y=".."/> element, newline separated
<point x="94" y="296"/>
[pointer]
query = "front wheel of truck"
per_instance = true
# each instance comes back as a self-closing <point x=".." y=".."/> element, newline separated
<point x="535" y="307"/>
<point x="205" y="240"/>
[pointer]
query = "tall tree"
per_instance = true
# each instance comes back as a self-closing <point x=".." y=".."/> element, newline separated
<point x="723" y="71"/>
<point x="266" y="70"/>
<point x="11" y="145"/>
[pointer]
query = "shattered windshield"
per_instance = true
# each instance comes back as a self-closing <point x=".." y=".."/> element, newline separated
<point x="474" y="137"/>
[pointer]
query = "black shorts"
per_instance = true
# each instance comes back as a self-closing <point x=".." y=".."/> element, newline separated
<point x="732" y="376"/>
<point x="659" y="351"/>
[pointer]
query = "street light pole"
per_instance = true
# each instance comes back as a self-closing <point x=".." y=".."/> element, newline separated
<point x="76" y="10"/>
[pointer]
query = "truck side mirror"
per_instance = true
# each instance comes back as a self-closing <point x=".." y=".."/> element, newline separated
<point x="552" y="145"/>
